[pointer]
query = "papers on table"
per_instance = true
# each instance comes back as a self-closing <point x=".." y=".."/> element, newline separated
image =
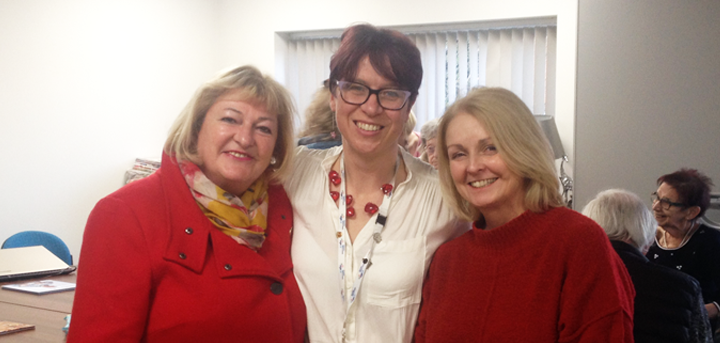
<point x="41" y="287"/>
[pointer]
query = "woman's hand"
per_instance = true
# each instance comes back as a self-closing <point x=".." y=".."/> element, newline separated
<point x="712" y="310"/>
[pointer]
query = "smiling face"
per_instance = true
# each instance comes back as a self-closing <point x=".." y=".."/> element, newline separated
<point x="480" y="174"/>
<point x="675" y="217"/>
<point x="236" y="142"/>
<point x="369" y="129"/>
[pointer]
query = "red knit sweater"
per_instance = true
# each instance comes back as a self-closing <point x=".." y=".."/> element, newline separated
<point x="542" y="277"/>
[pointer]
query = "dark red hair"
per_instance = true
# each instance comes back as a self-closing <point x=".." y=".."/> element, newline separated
<point x="692" y="186"/>
<point x="392" y="54"/>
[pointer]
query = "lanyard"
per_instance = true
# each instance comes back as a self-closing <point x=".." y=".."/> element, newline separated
<point x="342" y="234"/>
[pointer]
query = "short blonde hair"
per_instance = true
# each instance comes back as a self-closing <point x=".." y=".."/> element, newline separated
<point x="623" y="216"/>
<point x="255" y="88"/>
<point x="319" y="117"/>
<point x="520" y="143"/>
<point x="409" y="124"/>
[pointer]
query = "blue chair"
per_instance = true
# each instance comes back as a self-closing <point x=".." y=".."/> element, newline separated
<point x="46" y="239"/>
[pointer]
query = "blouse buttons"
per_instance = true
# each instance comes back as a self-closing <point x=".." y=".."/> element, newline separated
<point x="228" y="267"/>
<point x="282" y="216"/>
<point x="182" y="256"/>
<point x="189" y="231"/>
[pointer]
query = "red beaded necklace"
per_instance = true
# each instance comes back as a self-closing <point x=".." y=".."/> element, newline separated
<point x="370" y="208"/>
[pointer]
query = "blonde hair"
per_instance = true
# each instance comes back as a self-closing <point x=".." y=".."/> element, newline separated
<point x="255" y="88"/>
<point x="319" y="117"/>
<point x="520" y="143"/>
<point x="409" y="124"/>
<point x="407" y="130"/>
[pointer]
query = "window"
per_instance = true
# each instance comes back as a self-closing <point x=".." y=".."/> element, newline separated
<point x="517" y="55"/>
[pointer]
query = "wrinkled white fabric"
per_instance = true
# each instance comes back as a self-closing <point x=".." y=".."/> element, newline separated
<point x="386" y="309"/>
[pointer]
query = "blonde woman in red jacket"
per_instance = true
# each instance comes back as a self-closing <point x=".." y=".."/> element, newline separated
<point x="200" y="250"/>
<point x="530" y="270"/>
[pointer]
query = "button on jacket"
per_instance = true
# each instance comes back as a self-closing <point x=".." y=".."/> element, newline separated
<point x="153" y="268"/>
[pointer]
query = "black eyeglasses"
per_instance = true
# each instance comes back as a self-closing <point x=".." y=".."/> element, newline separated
<point x="357" y="94"/>
<point x="665" y="204"/>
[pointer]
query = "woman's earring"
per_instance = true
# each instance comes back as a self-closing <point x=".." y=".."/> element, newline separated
<point x="272" y="160"/>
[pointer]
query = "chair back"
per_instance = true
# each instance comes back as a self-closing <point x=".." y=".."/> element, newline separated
<point x="30" y="238"/>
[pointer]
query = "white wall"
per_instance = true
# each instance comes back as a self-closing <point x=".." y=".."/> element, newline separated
<point x="85" y="87"/>
<point x="648" y="96"/>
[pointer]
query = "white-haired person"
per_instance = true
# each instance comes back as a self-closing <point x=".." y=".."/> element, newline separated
<point x="428" y="136"/>
<point x="668" y="304"/>
<point x="530" y="270"/>
<point x="200" y="250"/>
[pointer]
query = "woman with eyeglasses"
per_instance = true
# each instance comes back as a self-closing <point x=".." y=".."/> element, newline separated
<point x="681" y="241"/>
<point x="367" y="215"/>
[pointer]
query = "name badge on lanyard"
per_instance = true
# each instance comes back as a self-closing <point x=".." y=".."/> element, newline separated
<point x="342" y="234"/>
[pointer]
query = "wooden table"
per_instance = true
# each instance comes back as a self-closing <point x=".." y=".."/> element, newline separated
<point x="46" y="312"/>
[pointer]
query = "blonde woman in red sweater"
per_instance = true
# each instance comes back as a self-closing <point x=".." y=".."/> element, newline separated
<point x="530" y="270"/>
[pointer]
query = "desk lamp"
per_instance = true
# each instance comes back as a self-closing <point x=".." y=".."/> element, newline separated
<point x="547" y="124"/>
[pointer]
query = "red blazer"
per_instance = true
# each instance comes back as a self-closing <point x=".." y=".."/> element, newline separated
<point x="154" y="269"/>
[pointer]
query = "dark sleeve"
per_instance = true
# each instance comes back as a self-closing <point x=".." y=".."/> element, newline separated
<point x="700" y="330"/>
<point x="712" y="253"/>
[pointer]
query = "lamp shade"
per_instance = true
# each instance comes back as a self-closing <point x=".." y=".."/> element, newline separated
<point x="547" y="124"/>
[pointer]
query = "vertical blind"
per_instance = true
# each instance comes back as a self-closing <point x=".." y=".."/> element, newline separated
<point x="519" y="59"/>
<point x="307" y="66"/>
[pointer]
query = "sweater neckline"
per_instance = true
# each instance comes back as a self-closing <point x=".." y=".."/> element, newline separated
<point x="688" y="237"/>
<point x="506" y="235"/>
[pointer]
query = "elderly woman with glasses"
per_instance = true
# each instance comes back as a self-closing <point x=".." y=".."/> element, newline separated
<point x="428" y="133"/>
<point x="368" y="215"/>
<point x="668" y="303"/>
<point x="681" y="241"/>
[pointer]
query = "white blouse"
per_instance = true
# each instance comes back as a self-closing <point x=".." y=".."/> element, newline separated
<point x="386" y="307"/>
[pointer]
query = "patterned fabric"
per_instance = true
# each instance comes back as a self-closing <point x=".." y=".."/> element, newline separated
<point x="245" y="224"/>
<point x="699" y="258"/>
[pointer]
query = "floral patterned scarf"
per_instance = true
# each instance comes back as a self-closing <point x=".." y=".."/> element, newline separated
<point x="245" y="224"/>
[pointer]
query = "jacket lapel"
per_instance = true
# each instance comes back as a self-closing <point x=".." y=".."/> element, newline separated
<point x="191" y="233"/>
